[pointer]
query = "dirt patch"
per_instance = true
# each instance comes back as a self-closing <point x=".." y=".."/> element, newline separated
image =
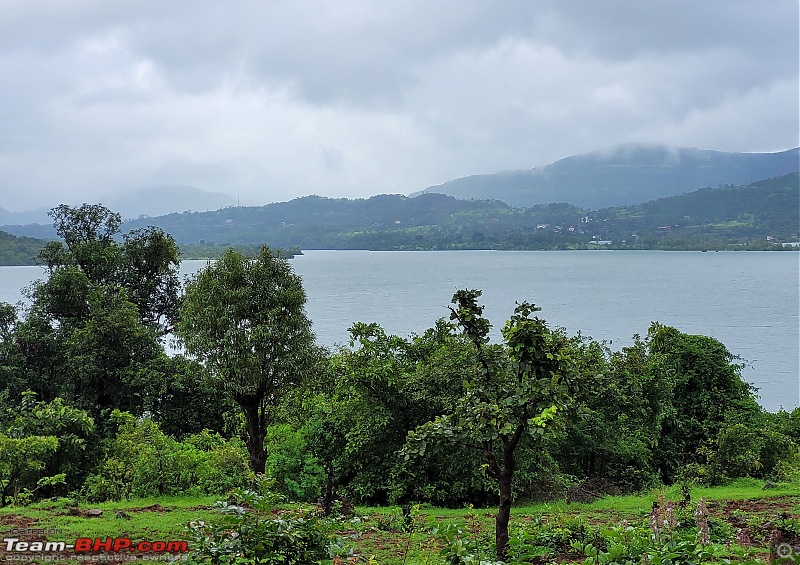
<point x="15" y="521"/>
<point x="777" y="505"/>
<point x="152" y="508"/>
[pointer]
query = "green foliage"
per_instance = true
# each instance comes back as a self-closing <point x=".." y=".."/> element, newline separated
<point x="629" y="545"/>
<point x="671" y="405"/>
<point x="245" y="319"/>
<point x="40" y="444"/>
<point x="458" y="548"/>
<point x="19" y="250"/>
<point x="377" y="390"/>
<point x="142" y="461"/>
<point x="22" y="461"/>
<point x="297" y="474"/>
<point x="708" y="391"/>
<point x="516" y="391"/>
<point x="144" y="264"/>
<point x="247" y="533"/>
<point x="91" y="334"/>
<point x="541" y="537"/>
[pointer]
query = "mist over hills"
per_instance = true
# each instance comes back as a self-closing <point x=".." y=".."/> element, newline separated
<point x="628" y="174"/>
<point x="149" y="201"/>
<point x="163" y="200"/>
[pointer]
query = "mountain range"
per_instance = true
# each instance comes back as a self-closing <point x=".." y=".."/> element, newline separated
<point x="624" y="176"/>
<point x="760" y="215"/>
<point x="628" y="174"/>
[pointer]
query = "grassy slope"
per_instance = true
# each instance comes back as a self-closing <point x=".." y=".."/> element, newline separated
<point x="377" y="532"/>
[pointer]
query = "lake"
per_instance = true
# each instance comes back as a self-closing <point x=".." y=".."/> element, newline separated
<point x="750" y="301"/>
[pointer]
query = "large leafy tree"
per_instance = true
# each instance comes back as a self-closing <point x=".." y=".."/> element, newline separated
<point x="145" y="264"/>
<point x="708" y="392"/>
<point x="516" y="390"/>
<point x="246" y="320"/>
<point x="92" y="332"/>
<point x="378" y="389"/>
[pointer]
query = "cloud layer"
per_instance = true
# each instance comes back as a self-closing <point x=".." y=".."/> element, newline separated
<point x="271" y="100"/>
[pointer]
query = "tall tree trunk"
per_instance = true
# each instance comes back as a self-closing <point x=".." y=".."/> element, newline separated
<point x="504" y="509"/>
<point x="503" y="515"/>
<point x="255" y="438"/>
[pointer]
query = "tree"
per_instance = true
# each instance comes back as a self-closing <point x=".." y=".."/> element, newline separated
<point x="618" y="419"/>
<point x="145" y="264"/>
<point x="92" y="332"/>
<point x="246" y="320"/>
<point x="378" y="389"/>
<point x="707" y="391"/>
<point x="88" y="232"/>
<point x="517" y="390"/>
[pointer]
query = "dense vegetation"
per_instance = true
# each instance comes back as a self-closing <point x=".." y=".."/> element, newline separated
<point x="18" y="250"/>
<point x="92" y="407"/>
<point x="25" y="250"/>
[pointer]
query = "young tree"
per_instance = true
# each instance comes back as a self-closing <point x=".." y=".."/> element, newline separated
<point x="246" y="320"/>
<point x="518" y="389"/>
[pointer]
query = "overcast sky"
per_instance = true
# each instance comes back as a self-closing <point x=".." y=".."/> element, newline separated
<point x="267" y="101"/>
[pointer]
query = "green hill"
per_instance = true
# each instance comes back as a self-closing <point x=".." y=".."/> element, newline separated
<point x="729" y="216"/>
<point x="18" y="250"/>
<point x="761" y="215"/>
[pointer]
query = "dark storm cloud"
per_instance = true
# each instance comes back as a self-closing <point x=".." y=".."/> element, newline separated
<point x="271" y="100"/>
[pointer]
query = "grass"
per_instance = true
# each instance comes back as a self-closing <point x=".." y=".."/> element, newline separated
<point x="380" y="532"/>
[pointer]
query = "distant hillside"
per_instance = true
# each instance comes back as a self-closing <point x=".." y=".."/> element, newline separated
<point x="310" y="222"/>
<point x="708" y="217"/>
<point x="18" y="250"/>
<point x="734" y="215"/>
<point x="761" y="215"/>
<point x="630" y="174"/>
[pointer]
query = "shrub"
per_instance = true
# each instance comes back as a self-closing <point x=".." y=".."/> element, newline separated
<point x="247" y="533"/>
<point x="143" y="461"/>
<point x="296" y="472"/>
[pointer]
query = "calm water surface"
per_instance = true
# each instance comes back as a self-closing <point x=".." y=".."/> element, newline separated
<point x="747" y="300"/>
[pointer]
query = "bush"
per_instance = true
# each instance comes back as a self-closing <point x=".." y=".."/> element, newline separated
<point x="247" y="533"/>
<point x="296" y="472"/>
<point x="143" y="461"/>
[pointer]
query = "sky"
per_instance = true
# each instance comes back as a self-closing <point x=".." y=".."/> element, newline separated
<point x="268" y="101"/>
